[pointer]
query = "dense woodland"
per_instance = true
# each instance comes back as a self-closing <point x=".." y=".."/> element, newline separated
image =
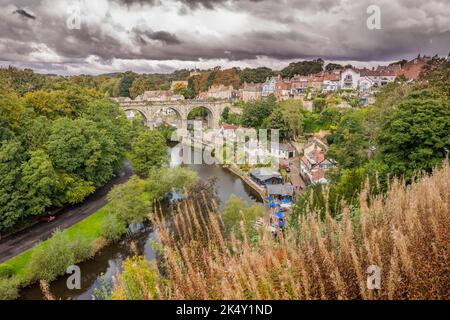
<point x="59" y="142"/>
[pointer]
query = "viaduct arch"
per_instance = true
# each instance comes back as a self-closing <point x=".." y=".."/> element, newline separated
<point x="150" y="109"/>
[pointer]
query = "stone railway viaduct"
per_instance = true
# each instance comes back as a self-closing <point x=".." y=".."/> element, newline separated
<point x="150" y="110"/>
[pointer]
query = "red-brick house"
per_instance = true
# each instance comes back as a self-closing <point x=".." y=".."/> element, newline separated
<point x="282" y="89"/>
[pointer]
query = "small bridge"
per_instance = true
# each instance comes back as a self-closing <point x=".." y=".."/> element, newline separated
<point x="151" y="109"/>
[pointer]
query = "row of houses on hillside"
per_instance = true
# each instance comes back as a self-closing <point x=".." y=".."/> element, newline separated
<point x="362" y="79"/>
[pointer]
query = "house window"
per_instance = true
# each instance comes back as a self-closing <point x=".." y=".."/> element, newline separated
<point x="348" y="80"/>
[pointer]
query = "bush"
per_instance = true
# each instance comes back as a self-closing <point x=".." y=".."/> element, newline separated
<point x="82" y="249"/>
<point x="6" y="271"/>
<point x="9" y="289"/>
<point x="113" y="228"/>
<point x="52" y="259"/>
<point x="162" y="181"/>
<point x="128" y="201"/>
<point x="237" y="211"/>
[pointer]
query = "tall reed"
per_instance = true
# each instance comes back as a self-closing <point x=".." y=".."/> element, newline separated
<point x="405" y="234"/>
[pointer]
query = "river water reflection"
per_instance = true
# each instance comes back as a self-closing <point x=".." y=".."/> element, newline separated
<point x="108" y="262"/>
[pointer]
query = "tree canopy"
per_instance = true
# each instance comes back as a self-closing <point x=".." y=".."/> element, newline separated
<point x="149" y="150"/>
<point x="302" y="68"/>
<point x="60" y="140"/>
<point x="415" y="135"/>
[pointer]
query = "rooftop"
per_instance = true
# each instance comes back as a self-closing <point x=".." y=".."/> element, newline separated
<point x="265" y="174"/>
<point x="280" y="189"/>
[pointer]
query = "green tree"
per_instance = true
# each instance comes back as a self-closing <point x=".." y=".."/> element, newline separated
<point x="162" y="181"/>
<point x="80" y="147"/>
<point x="39" y="183"/>
<point x="293" y="116"/>
<point x="276" y="121"/>
<point x="258" y="75"/>
<point x="225" y="114"/>
<point x="128" y="201"/>
<point x="12" y="202"/>
<point x="112" y="121"/>
<point x="140" y="85"/>
<point x="125" y="83"/>
<point x="74" y="190"/>
<point x="236" y="211"/>
<point x="415" y="136"/>
<point x="34" y="131"/>
<point x="350" y="146"/>
<point x="166" y="130"/>
<point x="302" y="68"/>
<point x="333" y="66"/>
<point x="330" y="117"/>
<point x="50" y="104"/>
<point x="11" y="106"/>
<point x="287" y="117"/>
<point x="149" y="150"/>
<point x="319" y="104"/>
<point x="255" y="112"/>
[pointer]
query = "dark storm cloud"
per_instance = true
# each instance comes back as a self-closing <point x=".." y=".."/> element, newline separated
<point x="207" y="4"/>
<point x="25" y="14"/>
<point x="232" y="30"/>
<point x="162" y="36"/>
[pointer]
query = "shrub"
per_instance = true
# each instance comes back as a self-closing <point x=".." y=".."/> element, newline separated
<point x="9" y="288"/>
<point x="82" y="249"/>
<point x="160" y="182"/>
<point x="52" y="259"/>
<point x="128" y="201"/>
<point x="6" y="271"/>
<point x="113" y="228"/>
<point x="141" y="277"/>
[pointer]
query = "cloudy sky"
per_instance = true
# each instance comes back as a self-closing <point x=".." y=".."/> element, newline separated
<point x="92" y="37"/>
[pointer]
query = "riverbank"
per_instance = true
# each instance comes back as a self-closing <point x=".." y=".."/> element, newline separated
<point x="107" y="262"/>
<point x="238" y="172"/>
<point x="85" y="238"/>
<point x="88" y="229"/>
<point x="24" y="240"/>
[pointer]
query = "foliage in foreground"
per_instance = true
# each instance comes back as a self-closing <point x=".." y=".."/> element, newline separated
<point x="405" y="233"/>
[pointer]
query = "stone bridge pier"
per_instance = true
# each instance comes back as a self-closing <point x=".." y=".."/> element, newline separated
<point x="151" y="109"/>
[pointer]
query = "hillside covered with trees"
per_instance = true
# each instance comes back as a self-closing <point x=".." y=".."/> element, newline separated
<point x="59" y="142"/>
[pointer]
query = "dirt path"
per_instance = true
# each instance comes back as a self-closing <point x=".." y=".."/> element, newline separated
<point x="26" y="239"/>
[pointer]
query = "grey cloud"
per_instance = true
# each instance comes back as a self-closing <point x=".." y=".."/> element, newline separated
<point x="333" y="30"/>
<point x="162" y="36"/>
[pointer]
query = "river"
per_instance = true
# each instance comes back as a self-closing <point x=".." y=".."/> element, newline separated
<point x="99" y="271"/>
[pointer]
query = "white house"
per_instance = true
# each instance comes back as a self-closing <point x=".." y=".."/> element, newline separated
<point x="228" y="131"/>
<point x="371" y="78"/>
<point x="269" y="86"/>
<point x="331" y="82"/>
<point x="282" y="150"/>
<point x="350" y="79"/>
